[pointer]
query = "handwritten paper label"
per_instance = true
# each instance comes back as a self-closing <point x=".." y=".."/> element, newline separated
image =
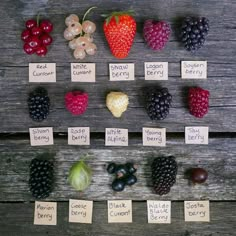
<point x="79" y="136"/>
<point x="116" y="137"/>
<point x="83" y="72"/>
<point x="41" y="136"/>
<point x="120" y="211"/>
<point x="45" y="213"/>
<point x="194" y="69"/>
<point x="154" y="137"/>
<point x="197" y="211"/>
<point x="121" y="72"/>
<point x="159" y="212"/>
<point x="42" y="72"/>
<point x="196" y="135"/>
<point x="80" y="211"/>
<point x="156" y="70"/>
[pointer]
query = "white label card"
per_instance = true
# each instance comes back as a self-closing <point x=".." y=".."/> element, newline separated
<point x="41" y="136"/>
<point x="121" y="72"/>
<point x="116" y="137"/>
<point x="196" y="135"/>
<point x="80" y="211"/>
<point x="159" y="212"/>
<point x="154" y="137"/>
<point x="83" y="72"/>
<point x="42" y="72"/>
<point x="79" y="136"/>
<point x="45" y="213"/>
<point x="194" y="69"/>
<point x="197" y="211"/>
<point x="119" y="211"/>
<point x="156" y="70"/>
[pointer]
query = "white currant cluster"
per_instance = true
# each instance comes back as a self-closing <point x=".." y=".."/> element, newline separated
<point x="80" y="36"/>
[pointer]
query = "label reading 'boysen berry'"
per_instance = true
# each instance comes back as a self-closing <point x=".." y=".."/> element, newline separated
<point x="121" y="72"/>
<point x="42" y="72"/>
<point x="194" y="69"/>
<point x="83" y="72"/>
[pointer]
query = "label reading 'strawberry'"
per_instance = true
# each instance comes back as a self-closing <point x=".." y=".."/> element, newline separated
<point x="121" y="72"/>
<point x="156" y="70"/>
<point x="83" y="72"/>
<point x="116" y="137"/>
<point x="197" y="211"/>
<point x="159" y="212"/>
<point x="80" y="211"/>
<point x="194" y="69"/>
<point x="196" y="135"/>
<point x="119" y="211"/>
<point x="42" y="72"/>
<point x="45" y="213"/>
<point x="41" y="136"/>
<point x="79" y="136"/>
<point x="154" y="137"/>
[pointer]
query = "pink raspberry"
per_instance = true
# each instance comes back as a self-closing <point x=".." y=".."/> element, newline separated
<point x="156" y="34"/>
<point x="198" y="100"/>
<point x="76" y="102"/>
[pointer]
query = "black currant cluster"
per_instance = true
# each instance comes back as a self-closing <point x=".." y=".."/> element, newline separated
<point x="41" y="178"/>
<point x="194" y="32"/>
<point x="158" y="102"/>
<point x="124" y="175"/>
<point x="38" y="103"/>
<point x="164" y="171"/>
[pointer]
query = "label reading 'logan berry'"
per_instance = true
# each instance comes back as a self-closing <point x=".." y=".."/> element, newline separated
<point x="194" y="69"/>
<point x="83" y="72"/>
<point x="42" y="72"/>
<point x="79" y="136"/>
<point x="121" y="72"/>
<point x="156" y="70"/>
<point x="41" y="136"/>
<point x="116" y="137"/>
<point x="196" y="135"/>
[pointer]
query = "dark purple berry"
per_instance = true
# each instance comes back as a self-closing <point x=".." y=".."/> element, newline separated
<point x="130" y="180"/>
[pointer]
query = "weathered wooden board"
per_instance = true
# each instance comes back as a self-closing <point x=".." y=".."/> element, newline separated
<point x="218" y="158"/>
<point x="17" y="220"/>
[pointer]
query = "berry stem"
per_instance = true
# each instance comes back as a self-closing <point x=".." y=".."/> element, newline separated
<point x="87" y="12"/>
<point x="38" y="19"/>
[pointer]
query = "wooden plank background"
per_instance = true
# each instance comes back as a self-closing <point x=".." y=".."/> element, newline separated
<point x="219" y="157"/>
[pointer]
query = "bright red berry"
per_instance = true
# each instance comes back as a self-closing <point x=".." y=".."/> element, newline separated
<point x="76" y="102"/>
<point x="198" y="100"/>
<point x="156" y="34"/>
<point x="119" y="29"/>
<point x="34" y="42"/>
<point x="41" y="51"/>
<point x="25" y="35"/>
<point x="30" y="23"/>
<point x="46" y="26"/>
<point x="46" y="39"/>
<point x="29" y="50"/>
<point x="36" y="31"/>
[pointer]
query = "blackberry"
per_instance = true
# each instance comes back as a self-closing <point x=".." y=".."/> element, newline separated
<point x="194" y="32"/>
<point x="164" y="170"/>
<point x="158" y="102"/>
<point x="41" y="178"/>
<point x="38" y="103"/>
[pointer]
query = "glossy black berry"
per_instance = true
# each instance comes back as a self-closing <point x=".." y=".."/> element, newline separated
<point x="131" y="168"/>
<point x="41" y="178"/>
<point x="118" y="185"/>
<point x="111" y="168"/>
<point x="130" y="180"/>
<point x="158" y="102"/>
<point x="38" y="103"/>
<point x="121" y="170"/>
<point x="194" y="32"/>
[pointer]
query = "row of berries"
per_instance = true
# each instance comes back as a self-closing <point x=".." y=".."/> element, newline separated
<point x="158" y="102"/>
<point x="163" y="175"/>
<point x="119" y="29"/>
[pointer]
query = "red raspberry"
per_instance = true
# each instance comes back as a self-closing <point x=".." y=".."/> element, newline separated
<point x="198" y="100"/>
<point x="76" y="102"/>
<point x="156" y="34"/>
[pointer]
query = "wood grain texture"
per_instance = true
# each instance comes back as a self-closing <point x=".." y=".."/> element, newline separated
<point x="17" y="220"/>
<point x="218" y="158"/>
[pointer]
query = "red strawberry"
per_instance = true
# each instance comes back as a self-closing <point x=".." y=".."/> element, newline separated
<point x="76" y="102"/>
<point x="119" y="29"/>
<point x="198" y="101"/>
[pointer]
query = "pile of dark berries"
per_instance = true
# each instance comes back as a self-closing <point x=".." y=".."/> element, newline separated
<point x="124" y="175"/>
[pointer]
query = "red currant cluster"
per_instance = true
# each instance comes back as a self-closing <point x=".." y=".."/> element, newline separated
<point x="36" y="36"/>
<point x="80" y="36"/>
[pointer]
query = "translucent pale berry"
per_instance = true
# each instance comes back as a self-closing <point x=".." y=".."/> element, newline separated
<point x="68" y="35"/>
<point x="91" y="49"/>
<point x="79" y="53"/>
<point x="82" y="42"/>
<point x="71" y="18"/>
<point x="89" y="37"/>
<point x="88" y="27"/>
<point x="72" y="44"/>
<point x="75" y="28"/>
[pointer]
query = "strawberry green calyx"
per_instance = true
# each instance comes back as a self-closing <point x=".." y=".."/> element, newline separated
<point x="116" y="15"/>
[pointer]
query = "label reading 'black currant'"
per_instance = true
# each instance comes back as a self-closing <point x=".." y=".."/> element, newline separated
<point x="194" y="69"/>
